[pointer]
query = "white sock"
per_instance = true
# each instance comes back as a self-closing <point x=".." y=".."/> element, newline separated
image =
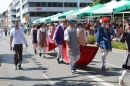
<point x="124" y="74"/>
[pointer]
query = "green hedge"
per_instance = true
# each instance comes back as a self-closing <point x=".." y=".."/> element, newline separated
<point x="116" y="45"/>
<point x="119" y="45"/>
<point x="91" y="39"/>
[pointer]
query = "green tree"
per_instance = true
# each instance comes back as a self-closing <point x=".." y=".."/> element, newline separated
<point x="99" y="1"/>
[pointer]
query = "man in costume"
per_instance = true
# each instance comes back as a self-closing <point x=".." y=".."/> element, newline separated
<point x="58" y="37"/>
<point x="71" y="38"/>
<point x="34" y="38"/>
<point x="42" y="35"/>
<point x="82" y="37"/>
<point x="103" y="39"/>
<point x="126" y="64"/>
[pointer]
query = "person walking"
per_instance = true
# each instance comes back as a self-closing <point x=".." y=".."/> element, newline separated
<point x="34" y="38"/>
<point x="103" y="39"/>
<point x="126" y="65"/>
<point x="82" y="37"/>
<point x="71" y="38"/>
<point x="58" y="37"/>
<point x="16" y="43"/>
<point x="42" y="36"/>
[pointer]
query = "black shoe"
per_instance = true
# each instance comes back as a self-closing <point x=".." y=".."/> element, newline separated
<point x="40" y="54"/>
<point x="20" y="68"/>
<point x="62" y="62"/>
<point x="58" y="61"/>
<point x="35" y="51"/>
<point x="73" y="71"/>
<point x="44" y="56"/>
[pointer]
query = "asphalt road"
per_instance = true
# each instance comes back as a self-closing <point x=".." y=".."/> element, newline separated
<point x="38" y="71"/>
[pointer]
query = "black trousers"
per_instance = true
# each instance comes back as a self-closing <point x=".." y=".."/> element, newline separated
<point x="18" y="49"/>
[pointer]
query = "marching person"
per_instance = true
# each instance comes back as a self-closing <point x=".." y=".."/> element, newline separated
<point x="42" y="36"/>
<point x="70" y="36"/>
<point x="82" y="37"/>
<point x="34" y="38"/>
<point x="58" y="37"/>
<point x="16" y="40"/>
<point x="103" y="39"/>
<point x="51" y="30"/>
<point x="126" y="64"/>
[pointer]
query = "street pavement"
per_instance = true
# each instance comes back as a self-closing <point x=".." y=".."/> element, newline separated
<point x="38" y="71"/>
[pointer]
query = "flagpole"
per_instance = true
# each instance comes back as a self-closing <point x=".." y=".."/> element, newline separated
<point x="78" y="4"/>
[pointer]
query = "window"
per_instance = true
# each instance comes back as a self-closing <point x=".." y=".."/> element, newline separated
<point x="17" y="3"/>
<point x="18" y="10"/>
<point x="59" y="4"/>
<point x="13" y="11"/>
<point x="50" y="4"/>
<point x="43" y="4"/>
<point x="38" y="13"/>
<point x="32" y="14"/>
<point x="38" y="4"/>
<point x="83" y="4"/>
<point x="32" y="4"/>
<point x="54" y="4"/>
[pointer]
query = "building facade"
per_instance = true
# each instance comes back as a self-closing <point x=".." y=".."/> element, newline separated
<point x="30" y="10"/>
<point x="11" y="15"/>
<point x="5" y="19"/>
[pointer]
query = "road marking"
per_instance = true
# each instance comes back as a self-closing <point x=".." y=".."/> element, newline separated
<point x="108" y="63"/>
<point x="46" y="77"/>
<point x="96" y="78"/>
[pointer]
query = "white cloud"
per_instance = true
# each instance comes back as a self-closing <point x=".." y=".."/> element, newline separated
<point x="4" y="5"/>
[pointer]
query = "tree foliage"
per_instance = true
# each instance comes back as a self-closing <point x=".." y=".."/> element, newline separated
<point x="99" y="1"/>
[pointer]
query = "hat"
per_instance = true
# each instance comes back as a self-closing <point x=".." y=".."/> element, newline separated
<point x="71" y="21"/>
<point x="105" y="19"/>
<point x="79" y="24"/>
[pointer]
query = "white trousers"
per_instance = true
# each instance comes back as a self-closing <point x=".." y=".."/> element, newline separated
<point x="124" y="74"/>
<point x="88" y="32"/>
<point x="73" y="60"/>
<point x="104" y="53"/>
<point x="43" y="50"/>
<point x="35" y="46"/>
<point x="59" y="55"/>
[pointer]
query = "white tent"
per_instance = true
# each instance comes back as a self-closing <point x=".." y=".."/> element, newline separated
<point x="74" y="15"/>
<point x="108" y="9"/>
<point x="57" y="19"/>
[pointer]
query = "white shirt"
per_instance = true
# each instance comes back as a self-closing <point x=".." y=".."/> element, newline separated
<point x="18" y="36"/>
<point x="85" y="36"/>
<point x="38" y="34"/>
<point x="66" y="34"/>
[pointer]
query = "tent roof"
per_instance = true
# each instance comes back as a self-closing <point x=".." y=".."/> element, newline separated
<point x="90" y="11"/>
<point x="49" y="18"/>
<point x="122" y="7"/>
<point x="65" y="15"/>
<point x="109" y="8"/>
<point x="74" y="15"/>
<point x="62" y="14"/>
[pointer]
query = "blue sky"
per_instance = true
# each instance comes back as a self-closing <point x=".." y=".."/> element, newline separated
<point x="4" y="5"/>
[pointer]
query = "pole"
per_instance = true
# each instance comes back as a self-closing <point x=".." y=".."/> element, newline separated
<point x="63" y="6"/>
<point x="123" y="22"/>
<point x="78" y="4"/>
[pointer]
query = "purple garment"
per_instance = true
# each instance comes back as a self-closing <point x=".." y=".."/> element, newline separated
<point x="59" y="34"/>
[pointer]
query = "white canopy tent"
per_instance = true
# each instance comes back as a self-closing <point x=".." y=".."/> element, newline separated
<point x="74" y="15"/>
<point x="108" y="9"/>
<point x="57" y="19"/>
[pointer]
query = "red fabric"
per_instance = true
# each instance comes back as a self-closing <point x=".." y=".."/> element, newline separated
<point x="87" y="54"/>
<point x="88" y="27"/>
<point x="50" y="46"/>
<point x="105" y="19"/>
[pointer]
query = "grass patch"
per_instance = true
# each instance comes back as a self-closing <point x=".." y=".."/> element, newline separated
<point x="119" y="45"/>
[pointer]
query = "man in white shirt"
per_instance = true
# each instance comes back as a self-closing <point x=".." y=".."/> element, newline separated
<point x="16" y="40"/>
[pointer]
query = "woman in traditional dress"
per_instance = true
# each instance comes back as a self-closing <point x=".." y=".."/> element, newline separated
<point x="42" y="35"/>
